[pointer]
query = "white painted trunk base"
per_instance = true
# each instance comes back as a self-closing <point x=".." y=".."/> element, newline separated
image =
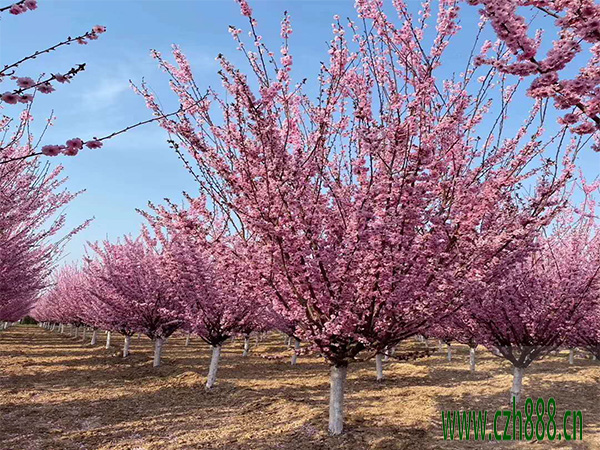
<point x="472" y="359"/>
<point x="214" y="366"/>
<point x="571" y="356"/>
<point x="158" y="345"/>
<point x="517" y="387"/>
<point x="83" y="334"/>
<point x="379" y="366"/>
<point x="126" y="345"/>
<point x="108" y="336"/>
<point x="246" y="346"/>
<point x="449" y="353"/>
<point x="295" y="354"/>
<point x="187" y="340"/>
<point x="336" y="399"/>
<point x="94" y="337"/>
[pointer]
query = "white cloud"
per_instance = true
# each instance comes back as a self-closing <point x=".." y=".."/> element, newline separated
<point x="105" y="94"/>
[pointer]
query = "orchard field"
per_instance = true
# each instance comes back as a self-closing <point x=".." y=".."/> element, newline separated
<point x="91" y="398"/>
<point x="299" y="224"/>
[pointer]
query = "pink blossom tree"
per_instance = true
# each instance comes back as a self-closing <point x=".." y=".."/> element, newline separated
<point x="131" y="269"/>
<point x="204" y="266"/>
<point x="117" y="314"/>
<point x="587" y="333"/>
<point x="370" y="207"/>
<point x="526" y="309"/>
<point x="64" y="302"/>
<point x="574" y="48"/>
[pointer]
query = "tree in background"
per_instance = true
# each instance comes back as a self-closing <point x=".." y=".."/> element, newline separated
<point x="205" y="267"/>
<point x="131" y="268"/>
<point x="527" y="308"/>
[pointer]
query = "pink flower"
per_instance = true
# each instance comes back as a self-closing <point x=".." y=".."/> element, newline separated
<point x="31" y="4"/>
<point x="245" y="8"/>
<point x="584" y="128"/>
<point x="93" y="144"/>
<point x="17" y="9"/>
<point x="92" y="36"/>
<point x="26" y="98"/>
<point x="61" y="78"/>
<point x="45" y="88"/>
<point x="81" y="41"/>
<point x="99" y="29"/>
<point x="10" y="98"/>
<point x="570" y="118"/>
<point x="51" y="150"/>
<point x="71" y="151"/>
<point x="75" y="143"/>
<point x="25" y="82"/>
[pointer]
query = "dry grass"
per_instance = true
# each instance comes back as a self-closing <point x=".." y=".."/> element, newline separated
<point x="56" y="393"/>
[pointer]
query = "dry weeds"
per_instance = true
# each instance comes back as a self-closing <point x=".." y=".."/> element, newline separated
<point x="56" y="393"/>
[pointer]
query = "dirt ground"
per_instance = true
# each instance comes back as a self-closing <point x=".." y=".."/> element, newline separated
<point x="57" y="393"/>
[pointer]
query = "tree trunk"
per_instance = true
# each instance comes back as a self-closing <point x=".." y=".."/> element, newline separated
<point x="336" y="399"/>
<point x="158" y="345"/>
<point x="108" y="340"/>
<point x="94" y="337"/>
<point x="571" y="356"/>
<point x="379" y="366"/>
<point x="472" y="359"/>
<point x="440" y="345"/>
<point x="517" y="390"/>
<point x="449" y="353"/>
<point x="295" y="354"/>
<point x="246" y="346"/>
<point x="187" y="340"/>
<point x="62" y="328"/>
<point x="76" y="331"/>
<point x="214" y="365"/>
<point x="126" y="346"/>
<point x="83" y="334"/>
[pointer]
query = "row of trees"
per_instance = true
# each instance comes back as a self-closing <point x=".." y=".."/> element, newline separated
<point x="32" y="193"/>
<point x="186" y="272"/>
<point x="388" y="205"/>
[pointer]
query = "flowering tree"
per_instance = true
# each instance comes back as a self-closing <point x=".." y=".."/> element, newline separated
<point x="31" y="196"/>
<point x="203" y="265"/>
<point x="577" y="28"/>
<point x="131" y="270"/>
<point x="31" y="201"/>
<point x="528" y="308"/>
<point x="587" y="333"/>
<point x="65" y="302"/>
<point x="116" y="312"/>
<point x="360" y="203"/>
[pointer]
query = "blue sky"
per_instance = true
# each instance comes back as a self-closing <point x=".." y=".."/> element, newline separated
<point x="138" y="166"/>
